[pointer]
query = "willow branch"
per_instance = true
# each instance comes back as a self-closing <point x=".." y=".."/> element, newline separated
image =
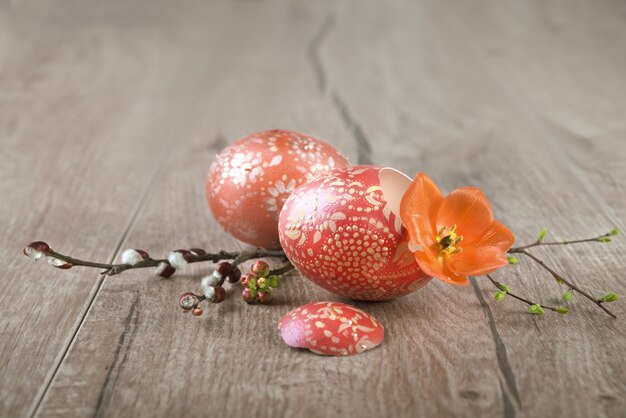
<point x="113" y="269"/>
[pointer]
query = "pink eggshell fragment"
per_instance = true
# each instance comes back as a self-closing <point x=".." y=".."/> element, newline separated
<point x="331" y="329"/>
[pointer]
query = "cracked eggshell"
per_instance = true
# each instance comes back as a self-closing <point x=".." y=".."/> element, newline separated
<point x="331" y="328"/>
<point x="250" y="180"/>
<point x="344" y="232"/>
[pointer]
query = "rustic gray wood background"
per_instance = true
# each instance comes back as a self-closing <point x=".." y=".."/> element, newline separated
<point x="111" y="112"/>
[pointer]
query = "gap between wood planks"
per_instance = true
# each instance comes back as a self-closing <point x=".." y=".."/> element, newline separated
<point x="163" y="157"/>
<point x="542" y="126"/>
<point x="159" y="166"/>
<point x="364" y="147"/>
<point x="508" y="386"/>
<point x="364" y="156"/>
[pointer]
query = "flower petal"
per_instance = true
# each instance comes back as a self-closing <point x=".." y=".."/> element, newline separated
<point x="469" y="210"/>
<point x="497" y="236"/>
<point x="477" y="261"/>
<point x="418" y="209"/>
<point x="420" y="232"/>
<point x="486" y="255"/>
<point x="437" y="268"/>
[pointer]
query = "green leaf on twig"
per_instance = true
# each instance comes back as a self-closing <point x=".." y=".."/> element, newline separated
<point x="504" y="287"/>
<point x="563" y="310"/>
<point x="568" y="295"/>
<point x="615" y="231"/>
<point x="499" y="296"/>
<point x="512" y="260"/>
<point x="535" y="309"/>
<point x="542" y="234"/>
<point x="609" y="297"/>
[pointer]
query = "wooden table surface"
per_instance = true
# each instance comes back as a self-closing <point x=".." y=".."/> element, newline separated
<point x="111" y="112"/>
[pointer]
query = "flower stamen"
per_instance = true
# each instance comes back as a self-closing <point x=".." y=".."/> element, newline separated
<point x="448" y="243"/>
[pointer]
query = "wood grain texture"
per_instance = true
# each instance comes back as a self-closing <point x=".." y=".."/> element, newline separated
<point x="492" y="137"/>
<point x="525" y="100"/>
<point x="79" y="142"/>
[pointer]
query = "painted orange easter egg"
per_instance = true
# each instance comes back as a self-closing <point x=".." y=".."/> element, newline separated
<point x="343" y="231"/>
<point x="250" y="180"/>
<point x="331" y="328"/>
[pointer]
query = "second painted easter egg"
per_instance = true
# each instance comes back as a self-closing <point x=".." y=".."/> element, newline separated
<point x="250" y="180"/>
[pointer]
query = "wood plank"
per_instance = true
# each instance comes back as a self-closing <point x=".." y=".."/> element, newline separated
<point x="472" y="125"/>
<point x="135" y="314"/>
<point x="587" y="370"/>
<point x="81" y="140"/>
<point x="449" y="86"/>
<point x="240" y="344"/>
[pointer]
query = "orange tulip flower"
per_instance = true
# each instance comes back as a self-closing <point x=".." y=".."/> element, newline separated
<point x="453" y="236"/>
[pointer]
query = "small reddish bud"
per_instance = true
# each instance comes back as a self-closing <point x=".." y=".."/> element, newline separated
<point x="164" y="270"/>
<point x="234" y="275"/>
<point x="220" y="294"/>
<point x="197" y="312"/>
<point x="187" y="301"/>
<point x="223" y="267"/>
<point x="197" y="251"/>
<point x="244" y="280"/>
<point x="265" y="297"/>
<point x="261" y="268"/>
<point x="248" y="295"/>
<point x="60" y="264"/>
<point x="36" y="250"/>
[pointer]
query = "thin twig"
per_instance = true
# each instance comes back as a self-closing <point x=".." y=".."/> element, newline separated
<point x="561" y="279"/>
<point x="520" y="298"/>
<point x="540" y="243"/>
<point x="112" y="269"/>
<point x="282" y="270"/>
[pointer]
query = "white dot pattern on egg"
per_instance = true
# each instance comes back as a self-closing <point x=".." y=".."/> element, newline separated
<point x="331" y="328"/>
<point x="250" y="180"/>
<point x="341" y="233"/>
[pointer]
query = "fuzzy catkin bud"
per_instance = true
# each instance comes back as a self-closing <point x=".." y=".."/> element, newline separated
<point x="132" y="256"/>
<point x="209" y="293"/>
<point x="164" y="270"/>
<point x="60" y="264"/>
<point x="215" y="279"/>
<point x="36" y="250"/>
<point x="179" y="258"/>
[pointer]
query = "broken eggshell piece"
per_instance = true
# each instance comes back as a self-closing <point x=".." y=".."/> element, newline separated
<point x="331" y="328"/>
<point x="393" y="185"/>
